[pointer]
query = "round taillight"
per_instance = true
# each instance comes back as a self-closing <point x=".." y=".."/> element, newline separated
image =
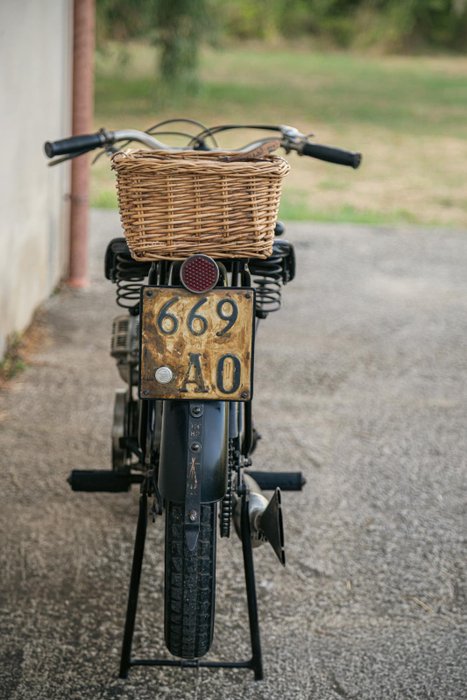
<point x="199" y="273"/>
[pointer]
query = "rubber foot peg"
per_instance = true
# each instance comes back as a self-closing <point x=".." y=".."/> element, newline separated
<point x="285" y="481"/>
<point x="102" y="480"/>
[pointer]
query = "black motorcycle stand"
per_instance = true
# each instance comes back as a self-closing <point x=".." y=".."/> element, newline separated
<point x="126" y="662"/>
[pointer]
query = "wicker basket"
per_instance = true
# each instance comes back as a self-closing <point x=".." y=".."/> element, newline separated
<point x="173" y="205"/>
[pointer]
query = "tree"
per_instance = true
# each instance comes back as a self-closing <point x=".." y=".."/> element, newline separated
<point x="180" y="27"/>
<point x="176" y="26"/>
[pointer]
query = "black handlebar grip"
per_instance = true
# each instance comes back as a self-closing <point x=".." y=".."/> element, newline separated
<point x="332" y="155"/>
<point x="74" y="144"/>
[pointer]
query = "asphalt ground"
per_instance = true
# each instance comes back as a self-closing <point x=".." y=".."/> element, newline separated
<point x="361" y="383"/>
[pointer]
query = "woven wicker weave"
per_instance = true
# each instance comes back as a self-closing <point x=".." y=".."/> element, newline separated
<point x="173" y="205"/>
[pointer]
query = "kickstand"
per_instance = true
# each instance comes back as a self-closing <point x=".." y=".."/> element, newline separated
<point x="256" y="659"/>
<point x="126" y="662"/>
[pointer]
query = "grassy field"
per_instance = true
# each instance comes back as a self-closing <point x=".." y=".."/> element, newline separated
<point x="406" y="115"/>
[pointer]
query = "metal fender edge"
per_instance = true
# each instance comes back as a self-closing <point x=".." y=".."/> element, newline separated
<point x="194" y="441"/>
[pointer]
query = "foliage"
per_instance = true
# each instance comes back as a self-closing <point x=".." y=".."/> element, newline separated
<point x="179" y="25"/>
<point x="391" y="24"/>
<point x="122" y="20"/>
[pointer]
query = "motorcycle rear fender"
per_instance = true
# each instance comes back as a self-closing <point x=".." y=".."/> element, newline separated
<point x="175" y="441"/>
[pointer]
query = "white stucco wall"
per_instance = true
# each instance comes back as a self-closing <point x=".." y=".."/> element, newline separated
<point x="35" y="106"/>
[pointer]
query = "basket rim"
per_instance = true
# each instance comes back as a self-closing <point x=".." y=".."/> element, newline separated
<point x="219" y="161"/>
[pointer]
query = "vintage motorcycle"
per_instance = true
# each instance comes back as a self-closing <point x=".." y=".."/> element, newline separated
<point x="202" y="262"/>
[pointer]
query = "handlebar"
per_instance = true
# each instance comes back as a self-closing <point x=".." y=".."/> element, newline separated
<point x="291" y="140"/>
<point x="331" y="154"/>
<point x="74" y="144"/>
<point x="77" y="145"/>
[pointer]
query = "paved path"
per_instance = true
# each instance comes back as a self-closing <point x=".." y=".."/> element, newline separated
<point x="362" y="384"/>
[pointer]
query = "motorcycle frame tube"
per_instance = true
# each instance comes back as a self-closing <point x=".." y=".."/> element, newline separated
<point x="175" y="446"/>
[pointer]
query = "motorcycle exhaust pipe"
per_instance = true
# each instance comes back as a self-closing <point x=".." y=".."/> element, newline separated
<point x="266" y="523"/>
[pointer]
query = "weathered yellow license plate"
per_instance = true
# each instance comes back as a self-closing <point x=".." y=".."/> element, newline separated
<point x="197" y="346"/>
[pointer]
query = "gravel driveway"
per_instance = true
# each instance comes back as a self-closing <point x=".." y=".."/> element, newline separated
<point x="361" y="383"/>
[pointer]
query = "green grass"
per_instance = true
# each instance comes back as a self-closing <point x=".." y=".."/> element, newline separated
<point x="405" y="102"/>
<point x="407" y="116"/>
<point x="12" y="362"/>
<point x="410" y="95"/>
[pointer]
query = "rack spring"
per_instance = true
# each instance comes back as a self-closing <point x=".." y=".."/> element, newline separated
<point x="270" y="275"/>
<point x="129" y="276"/>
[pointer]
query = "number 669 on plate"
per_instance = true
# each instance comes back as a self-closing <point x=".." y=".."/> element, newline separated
<point x="197" y="346"/>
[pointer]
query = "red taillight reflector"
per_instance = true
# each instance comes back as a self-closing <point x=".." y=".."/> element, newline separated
<point x="199" y="273"/>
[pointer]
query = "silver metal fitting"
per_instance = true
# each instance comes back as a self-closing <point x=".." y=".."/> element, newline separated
<point x="164" y="375"/>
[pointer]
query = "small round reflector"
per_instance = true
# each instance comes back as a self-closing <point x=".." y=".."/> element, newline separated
<point x="199" y="273"/>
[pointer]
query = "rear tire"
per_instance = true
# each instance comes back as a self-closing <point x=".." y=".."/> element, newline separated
<point x="190" y="582"/>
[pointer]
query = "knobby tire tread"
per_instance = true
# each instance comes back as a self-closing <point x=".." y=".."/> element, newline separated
<point x="189" y="584"/>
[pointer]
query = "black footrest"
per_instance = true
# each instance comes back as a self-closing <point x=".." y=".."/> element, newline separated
<point x="102" y="480"/>
<point x="286" y="481"/>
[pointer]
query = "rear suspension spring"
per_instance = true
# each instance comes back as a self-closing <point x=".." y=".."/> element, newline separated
<point x="269" y="275"/>
<point x="129" y="278"/>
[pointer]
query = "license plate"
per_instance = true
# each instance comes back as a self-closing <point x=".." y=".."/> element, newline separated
<point x="197" y="346"/>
